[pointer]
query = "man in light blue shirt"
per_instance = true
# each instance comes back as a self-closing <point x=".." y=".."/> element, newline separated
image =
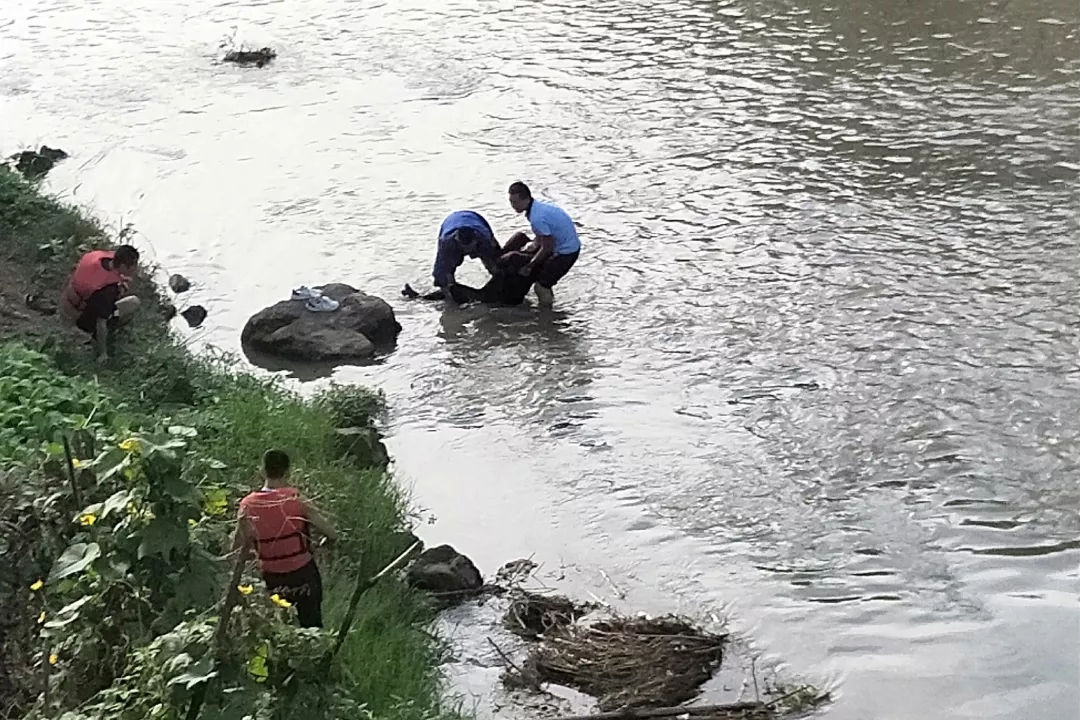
<point x="556" y="238"/>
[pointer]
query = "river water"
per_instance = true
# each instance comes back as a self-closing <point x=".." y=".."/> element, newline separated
<point x="817" y="368"/>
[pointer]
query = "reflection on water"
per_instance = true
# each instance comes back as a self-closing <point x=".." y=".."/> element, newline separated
<point x="526" y="361"/>
<point x="822" y="335"/>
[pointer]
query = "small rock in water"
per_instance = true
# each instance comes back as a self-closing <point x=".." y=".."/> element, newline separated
<point x="35" y="164"/>
<point x="258" y="58"/>
<point x="168" y="310"/>
<point x="443" y="569"/>
<point x="194" y="315"/>
<point x="179" y="283"/>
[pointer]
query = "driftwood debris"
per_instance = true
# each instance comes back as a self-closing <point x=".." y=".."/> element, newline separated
<point x="799" y="700"/>
<point x="532" y="615"/>
<point x="630" y="662"/>
<point x="258" y="58"/>
<point x="731" y="711"/>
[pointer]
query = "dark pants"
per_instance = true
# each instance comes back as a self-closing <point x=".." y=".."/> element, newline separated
<point x="554" y="269"/>
<point x="303" y="588"/>
<point x="506" y="286"/>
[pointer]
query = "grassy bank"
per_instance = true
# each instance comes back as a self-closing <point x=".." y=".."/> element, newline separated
<point x="110" y="574"/>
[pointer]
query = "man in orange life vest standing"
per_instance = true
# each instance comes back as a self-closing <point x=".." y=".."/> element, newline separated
<point x="94" y="296"/>
<point x="276" y="522"/>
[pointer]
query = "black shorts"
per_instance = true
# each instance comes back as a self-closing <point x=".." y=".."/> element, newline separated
<point x="99" y="306"/>
<point x="554" y="269"/>
<point x="303" y="588"/>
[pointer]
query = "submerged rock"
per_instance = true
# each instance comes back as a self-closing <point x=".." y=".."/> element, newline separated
<point x="36" y="163"/>
<point x="179" y="284"/>
<point x="258" y="58"/>
<point x="290" y="331"/>
<point x="443" y="569"/>
<point x="168" y="309"/>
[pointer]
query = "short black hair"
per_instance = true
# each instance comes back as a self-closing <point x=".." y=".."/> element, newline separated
<point x="275" y="464"/>
<point x="126" y="255"/>
<point x="520" y="189"/>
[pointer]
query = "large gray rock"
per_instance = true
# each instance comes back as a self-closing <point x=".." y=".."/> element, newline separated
<point x="443" y="569"/>
<point x="290" y="331"/>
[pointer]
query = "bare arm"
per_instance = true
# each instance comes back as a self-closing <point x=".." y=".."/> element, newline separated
<point x="319" y="521"/>
<point x="242" y="535"/>
<point x="547" y="247"/>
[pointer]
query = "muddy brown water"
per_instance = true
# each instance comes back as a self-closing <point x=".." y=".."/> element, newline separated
<point x="817" y="366"/>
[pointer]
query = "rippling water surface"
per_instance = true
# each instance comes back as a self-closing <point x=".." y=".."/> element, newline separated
<point x="817" y="366"/>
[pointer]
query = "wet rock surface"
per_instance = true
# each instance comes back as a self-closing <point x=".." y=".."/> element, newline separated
<point x="34" y="164"/>
<point x="443" y="569"/>
<point x="178" y="283"/>
<point x="258" y="58"/>
<point x="354" y="331"/>
<point x="194" y="315"/>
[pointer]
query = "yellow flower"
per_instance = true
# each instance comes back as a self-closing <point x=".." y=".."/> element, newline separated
<point x="53" y="659"/>
<point x="245" y="589"/>
<point x="41" y="617"/>
<point x="280" y="601"/>
<point x="130" y="445"/>
<point x="88" y="519"/>
<point x="79" y="464"/>
<point x="217" y="502"/>
<point x="37" y="585"/>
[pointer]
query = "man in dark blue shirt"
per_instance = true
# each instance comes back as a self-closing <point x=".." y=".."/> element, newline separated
<point x="463" y="233"/>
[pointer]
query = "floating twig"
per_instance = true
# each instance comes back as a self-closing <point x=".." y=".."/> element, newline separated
<point x="529" y="678"/>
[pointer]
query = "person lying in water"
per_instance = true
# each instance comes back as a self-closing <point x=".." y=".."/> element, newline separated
<point x="463" y="233"/>
<point x="507" y="285"/>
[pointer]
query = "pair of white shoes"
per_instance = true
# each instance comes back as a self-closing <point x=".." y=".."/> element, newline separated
<point x="316" y="301"/>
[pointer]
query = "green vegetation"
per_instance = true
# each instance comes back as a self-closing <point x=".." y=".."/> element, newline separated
<point x="112" y="568"/>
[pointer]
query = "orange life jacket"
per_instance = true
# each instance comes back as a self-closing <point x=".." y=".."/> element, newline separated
<point x="280" y="527"/>
<point x="88" y="278"/>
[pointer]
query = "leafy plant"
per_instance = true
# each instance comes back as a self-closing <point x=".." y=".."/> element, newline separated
<point x="119" y="592"/>
<point x="108" y="575"/>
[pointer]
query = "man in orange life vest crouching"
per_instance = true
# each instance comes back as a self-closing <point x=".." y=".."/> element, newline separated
<point x="94" y="298"/>
<point x="276" y="521"/>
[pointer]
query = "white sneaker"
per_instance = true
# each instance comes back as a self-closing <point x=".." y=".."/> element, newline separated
<point x="545" y="296"/>
<point x="305" y="293"/>
<point x="322" y="304"/>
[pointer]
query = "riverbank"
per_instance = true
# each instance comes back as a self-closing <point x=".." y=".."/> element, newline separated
<point x="112" y="570"/>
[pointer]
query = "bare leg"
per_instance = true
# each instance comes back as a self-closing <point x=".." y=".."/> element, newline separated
<point x="544" y="296"/>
